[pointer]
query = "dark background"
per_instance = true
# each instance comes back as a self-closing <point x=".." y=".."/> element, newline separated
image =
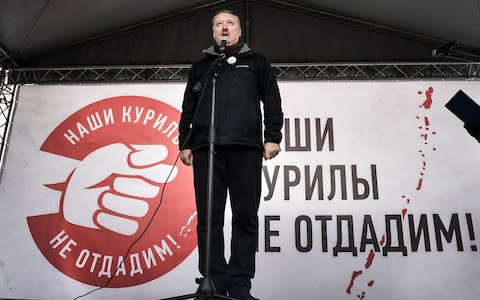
<point x="41" y="33"/>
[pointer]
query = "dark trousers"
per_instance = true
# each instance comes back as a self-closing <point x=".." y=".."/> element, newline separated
<point x="237" y="169"/>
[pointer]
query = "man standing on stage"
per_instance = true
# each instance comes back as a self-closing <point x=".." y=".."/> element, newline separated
<point x="244" y="80"/>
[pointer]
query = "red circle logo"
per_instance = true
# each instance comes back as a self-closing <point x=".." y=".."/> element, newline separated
<point x="126" y="211"/>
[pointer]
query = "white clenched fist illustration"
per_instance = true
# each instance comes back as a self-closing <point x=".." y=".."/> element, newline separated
<point x="116" y="186"/>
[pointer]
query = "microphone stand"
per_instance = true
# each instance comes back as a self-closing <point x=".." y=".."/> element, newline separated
<point x="207" y="290"/>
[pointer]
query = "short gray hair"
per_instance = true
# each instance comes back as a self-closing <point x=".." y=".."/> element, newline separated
<point x="227" y="11"/>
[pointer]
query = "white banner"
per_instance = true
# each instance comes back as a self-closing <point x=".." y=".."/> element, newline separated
<point x="372" y="197"/>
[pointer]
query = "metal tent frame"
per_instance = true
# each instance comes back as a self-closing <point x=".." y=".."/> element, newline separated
<point x="159" y="73"/>
<point x="11" y="78"/>
<point x="7" y="103"/>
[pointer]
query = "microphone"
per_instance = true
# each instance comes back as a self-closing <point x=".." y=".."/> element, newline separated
<point x="444" y="50"/>
<point x="223" y="44"/>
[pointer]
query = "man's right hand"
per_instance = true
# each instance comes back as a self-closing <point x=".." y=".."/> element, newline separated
<point x="186" y="156"/>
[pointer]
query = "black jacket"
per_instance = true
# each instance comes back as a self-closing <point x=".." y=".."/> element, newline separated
<point x="240" y="87"/>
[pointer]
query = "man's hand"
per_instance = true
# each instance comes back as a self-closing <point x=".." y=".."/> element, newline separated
<point x="186" y="156"/>
<point x="270" y="150"/>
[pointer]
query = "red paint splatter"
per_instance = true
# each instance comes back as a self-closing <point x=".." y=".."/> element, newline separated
<point x="428" y="101"/>
<point x="419" y="184"/>
<point x="355" y="274"/>
<point x="371" y="256"/>
<point x="361" y="296"/>
<point x="426" y="120"/>
<point x="424" y="126"/>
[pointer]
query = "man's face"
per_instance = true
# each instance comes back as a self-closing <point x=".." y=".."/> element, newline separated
<point x="225" y="24"/>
